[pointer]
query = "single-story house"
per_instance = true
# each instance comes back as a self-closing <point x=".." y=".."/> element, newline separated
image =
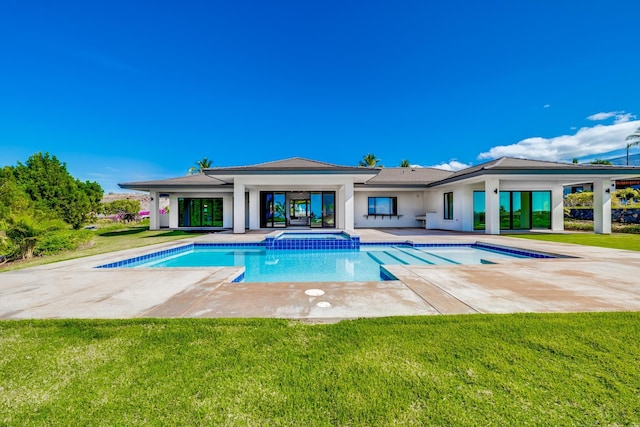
<point x="503" y="194"/>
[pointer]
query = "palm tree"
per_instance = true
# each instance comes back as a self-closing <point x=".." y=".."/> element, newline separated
<point x="635" y="137"/>
<point x="369" y="161"/>
<point x="404" y="163"/>
<point x="200" y="166"/>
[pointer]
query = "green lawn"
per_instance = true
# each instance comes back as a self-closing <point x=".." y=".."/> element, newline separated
<point x="108" y="240"/>
<point x="534" y="369"/>
<point x="614" y="241"/>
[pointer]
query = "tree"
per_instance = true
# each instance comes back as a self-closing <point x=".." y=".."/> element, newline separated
<point x="635" y="138"/>
<point x="369" y="161"/>
<point x="200" y="166"/>
<point x="405" y="163"/>
<point x="94" y="193"/>
<point x="48" y="183"/>
<point x="600" y="162"/>
<point x="13" y="199"/>
<point x="124" y="209"/>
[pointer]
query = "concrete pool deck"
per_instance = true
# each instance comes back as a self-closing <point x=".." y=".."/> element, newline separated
<point x="586" y="279"/>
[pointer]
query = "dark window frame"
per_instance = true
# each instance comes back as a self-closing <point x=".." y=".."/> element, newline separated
<point x="208" y="209"/>
<point x="448" y="206"/>
<point x="392" y="202"/>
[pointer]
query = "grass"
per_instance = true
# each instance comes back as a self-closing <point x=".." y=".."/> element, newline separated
<point x="533" y="369"/>
<point x="108" y="239"/>
<point x="614" y="241"/>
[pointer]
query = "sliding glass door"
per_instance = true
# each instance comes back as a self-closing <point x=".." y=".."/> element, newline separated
<point x="328" y="209"/>
<point x="323" y="209"/>
<point x="519" y="210"/>
<point x="200" y="212"/>
<point x="273" y="210"/>
<point x="318" y="211"/>
<point x="315" y="206"/>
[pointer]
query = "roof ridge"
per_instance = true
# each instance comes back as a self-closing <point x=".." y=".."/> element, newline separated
<point x="288" y="159"/>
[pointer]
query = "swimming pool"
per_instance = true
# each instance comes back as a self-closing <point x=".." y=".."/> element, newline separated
<point x="365" y="264"/>
<point x="311" y="240"/>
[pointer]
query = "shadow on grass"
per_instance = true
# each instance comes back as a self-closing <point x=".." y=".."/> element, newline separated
<point x="125" y="232"/>
<point x="171" y="233"/>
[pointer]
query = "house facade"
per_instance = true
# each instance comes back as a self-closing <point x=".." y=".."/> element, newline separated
<point x="504" y="194"/>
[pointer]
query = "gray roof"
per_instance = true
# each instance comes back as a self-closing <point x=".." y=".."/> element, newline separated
<point x="408" y="176"/>
<point x="430" y="177"/>
<point x="510" y="165"/>
<point x="293" y="164"/>
<point x="197" y="180"/>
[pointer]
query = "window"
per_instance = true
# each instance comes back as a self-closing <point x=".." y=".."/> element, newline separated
<point x="479" y="211"/>
<point x="200" y="212"/>
<point x="448" y="205"/>
<point x="519" y="210"/>
<point x="383" y="206"/>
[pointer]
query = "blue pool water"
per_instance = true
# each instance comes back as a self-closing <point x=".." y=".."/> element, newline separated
<point x="264" y="265"/>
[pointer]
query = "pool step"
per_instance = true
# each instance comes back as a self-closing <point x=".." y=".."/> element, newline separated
<point x="427" y="258"/>
<point x="408" y="258"/>
<point x="398" y="257"/>
<point x="383" y="258"/>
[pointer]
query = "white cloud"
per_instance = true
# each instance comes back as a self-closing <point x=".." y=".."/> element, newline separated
<point x="619" y="116"/>
<point x="586" y="141"/>
<point x="603" y="116"/>
<point x="623" y="118"/>
<point x="453" y="165"/>
<point x="546" y="105"/>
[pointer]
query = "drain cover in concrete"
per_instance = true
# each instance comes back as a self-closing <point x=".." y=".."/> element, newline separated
<point x="324" y="304"/>
<point x="314" y="292"/>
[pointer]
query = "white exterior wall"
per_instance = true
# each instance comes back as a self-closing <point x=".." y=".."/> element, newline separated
<point x="254" y="209"/>
<point x="173" y="211"/>
<point x="602" y="206"/>
<point x="238" y="208"/>
<point x="410" y="205"/>
<point x="435" y="208"/>
<point x="164" y="220"/>
<point x="557" y="208"/>
<point x="154" y="211"/>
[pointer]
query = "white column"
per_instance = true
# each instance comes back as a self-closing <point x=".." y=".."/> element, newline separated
<point x="173" y="212"/>
<point x="492" y="205"/>
<point x="349" y="206"/>
<point x="602" y="206"/>
<point x="238" y="208"/>
<point x="557" y="208"/>
<point x="465" y="208"/>
<point x="154" y="207"/>
<point x="339" y="208"/>
<point x="254" y="209"/>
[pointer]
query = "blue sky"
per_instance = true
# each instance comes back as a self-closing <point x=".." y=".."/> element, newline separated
<point x="131" y="90"/>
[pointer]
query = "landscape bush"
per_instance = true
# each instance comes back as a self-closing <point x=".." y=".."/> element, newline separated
<point x="62" y="240"/>
<point x="576" y="225"/>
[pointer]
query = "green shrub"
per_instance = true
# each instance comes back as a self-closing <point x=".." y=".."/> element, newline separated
<point x="577" y="225"/>
<point x="626" y="228"/>
<point x="63" y="240"/>
<point x="584" y="198"/>
<point x="24" y="233"/>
